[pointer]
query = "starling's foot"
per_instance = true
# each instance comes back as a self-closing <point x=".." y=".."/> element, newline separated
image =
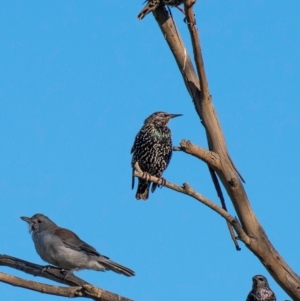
<point x="146" y="176"/>
<point x="161" y="182"/>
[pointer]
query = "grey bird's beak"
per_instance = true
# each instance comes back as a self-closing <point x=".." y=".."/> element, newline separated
<point x="27" y="220"/>
<point x="175" y="115"/>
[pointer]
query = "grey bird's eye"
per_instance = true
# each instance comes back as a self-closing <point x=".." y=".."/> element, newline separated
<point x="39" y="221"/>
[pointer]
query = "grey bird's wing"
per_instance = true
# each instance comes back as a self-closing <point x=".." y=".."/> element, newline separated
<point x="72" y="241"/>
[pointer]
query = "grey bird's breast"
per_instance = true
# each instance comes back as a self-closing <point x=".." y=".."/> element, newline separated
<point x="52" y="250"/>
<point x="46" y="246"/>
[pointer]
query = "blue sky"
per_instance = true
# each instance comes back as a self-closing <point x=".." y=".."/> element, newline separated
<point x="77" y="79"/>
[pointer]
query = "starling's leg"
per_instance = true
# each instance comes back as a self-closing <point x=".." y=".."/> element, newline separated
<point x="146" y="176"/>
<point x="162" y="182"/>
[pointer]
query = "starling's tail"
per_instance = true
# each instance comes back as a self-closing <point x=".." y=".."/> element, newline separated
<point x="153" y="187"/>
<point x="142" y="190"/>
<point x="120" y="269"/>
<point x="150" y="6"/>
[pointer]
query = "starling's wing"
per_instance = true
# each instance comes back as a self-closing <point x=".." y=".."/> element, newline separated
<point x="72" y="241"/>
<point x="133" y="146"/>
<point x="133" y="150"/>
<point x="132" y="163"/>
<point x="251" y="297"/>
<point x="138" y="139"/>
<point x="273" y="297"/>
<point x="168" y="156"/>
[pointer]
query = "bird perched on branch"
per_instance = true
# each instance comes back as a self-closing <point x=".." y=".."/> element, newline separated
<point x="64" y="249"/>
<point x="260" y="290"/>
<point x="152" y="149"/>
<point x="154" y="4"/>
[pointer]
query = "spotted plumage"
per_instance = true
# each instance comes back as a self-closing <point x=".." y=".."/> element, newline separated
<point x="154" y="4"/>
<point x="260" y="290"/>
<point x="152" y="149"/>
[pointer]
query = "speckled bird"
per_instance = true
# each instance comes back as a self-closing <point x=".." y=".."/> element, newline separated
<point x="154" y="4"/>
<point x="152" y="149"/>
<point x="260" y="290"/>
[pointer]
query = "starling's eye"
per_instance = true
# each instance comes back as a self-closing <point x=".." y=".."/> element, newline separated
<point x="39" y="221"/>
<point x="260" y="278"/>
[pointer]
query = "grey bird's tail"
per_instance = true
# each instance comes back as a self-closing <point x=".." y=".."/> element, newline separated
<point x="120" y="269"/>
<point x="143" y="190"/>
<point x="150" y="6"/>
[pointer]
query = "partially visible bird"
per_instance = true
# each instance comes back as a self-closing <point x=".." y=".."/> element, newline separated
<point x="260" y="290"/>
<point x="64" y="249"/>
<point x="152" y="149"/>
<point x="154" y="4"/>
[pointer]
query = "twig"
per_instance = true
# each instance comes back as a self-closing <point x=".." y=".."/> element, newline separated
<point x="188" y="190"/>
<point x="212" y="159"/>
<point x="50" y="272"/>
<point x="79" y="287"/>
<point x="223" y="203"/>
<point x="191" y="22"/>
<point x="209" y="157"/>
<point x="41" y="287"/>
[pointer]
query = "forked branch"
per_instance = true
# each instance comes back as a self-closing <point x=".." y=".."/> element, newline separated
<point x="78" y="287"/>
<point x="218" y="157"/>
<point x="210" y="158"/>
<point x="188" y="190"/>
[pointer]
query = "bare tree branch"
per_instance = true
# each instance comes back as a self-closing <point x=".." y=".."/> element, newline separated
<point x="191" y="22"/>
<point x="79" y="287"/>
<point x="188" y="190"/>
<point x="49" y="272"/>
<point x="210" y="158"/>
<point x="40" y="287"/>
<point x="198" y="89"/>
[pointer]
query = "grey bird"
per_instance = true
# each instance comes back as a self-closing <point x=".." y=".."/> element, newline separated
<point x="154" y="4"/>
<point x="260" y="290"/>
<point x="152" y="149"/>
<point x="64" y="249"/>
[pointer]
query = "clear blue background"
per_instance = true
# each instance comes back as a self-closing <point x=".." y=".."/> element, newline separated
<point x="77" y="79"/>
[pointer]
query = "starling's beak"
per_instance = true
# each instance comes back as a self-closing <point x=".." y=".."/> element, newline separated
<point x="175" y="115"/>
<point x="28" y="220"/>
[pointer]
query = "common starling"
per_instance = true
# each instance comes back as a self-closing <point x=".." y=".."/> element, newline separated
<point x="152" y="149"/>
<point x="261" y="290"/>
<point x="154" y="4"/>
